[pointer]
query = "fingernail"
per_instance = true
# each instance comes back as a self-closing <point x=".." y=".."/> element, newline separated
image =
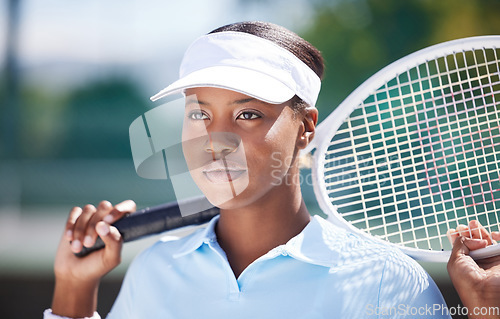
<point x="102" y="229"/>
<point x="76" y="246"/>
<point x="108" y="219"/>
<point x="88" y="241"/>
<point x="69" y="234"/>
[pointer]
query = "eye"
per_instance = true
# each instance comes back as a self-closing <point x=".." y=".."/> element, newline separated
<point x="197" y="115"/>
<point x="248" y="115"/>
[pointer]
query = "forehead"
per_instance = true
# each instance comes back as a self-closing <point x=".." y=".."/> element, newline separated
<point x="213" y="91"/>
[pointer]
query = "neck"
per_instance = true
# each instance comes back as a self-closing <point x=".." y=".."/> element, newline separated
<point x="248" y="232"/>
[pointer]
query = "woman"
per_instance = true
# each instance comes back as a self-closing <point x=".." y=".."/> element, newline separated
<point x="251" y="90"/>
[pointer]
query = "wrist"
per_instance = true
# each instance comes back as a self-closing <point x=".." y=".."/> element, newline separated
<point x="48" y="314"/>
<point x="74" y="298"/>
<point x="482" y="304"/>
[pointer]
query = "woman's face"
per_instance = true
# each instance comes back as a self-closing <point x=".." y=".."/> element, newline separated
<point x="238" y="148"/>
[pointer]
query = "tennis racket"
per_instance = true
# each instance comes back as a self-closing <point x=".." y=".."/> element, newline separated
<point x="158" y="219"/>
<point x="414" y="150"/>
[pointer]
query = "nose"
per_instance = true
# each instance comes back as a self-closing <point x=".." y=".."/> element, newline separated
<point x="220" y="144"/>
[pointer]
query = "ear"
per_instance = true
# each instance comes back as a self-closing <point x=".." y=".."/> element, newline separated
<point x="308" y="127"/>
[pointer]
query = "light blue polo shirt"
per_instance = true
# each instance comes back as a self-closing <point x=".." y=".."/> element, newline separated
<point x="324" y="272"/>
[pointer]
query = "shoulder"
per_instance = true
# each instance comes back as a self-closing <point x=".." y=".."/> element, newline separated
<point x="348" y="249"/>
<point x="167" y="249"/>
<point x="379" y="267"/>
<point x="347" y="246"/>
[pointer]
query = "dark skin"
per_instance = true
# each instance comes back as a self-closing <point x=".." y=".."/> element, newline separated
<point x="268" y="211"/>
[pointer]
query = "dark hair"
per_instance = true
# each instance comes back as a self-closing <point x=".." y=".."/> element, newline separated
<point x="286" y="39"/>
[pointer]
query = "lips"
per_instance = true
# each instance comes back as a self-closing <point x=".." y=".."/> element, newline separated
<point x="223" y="171"/>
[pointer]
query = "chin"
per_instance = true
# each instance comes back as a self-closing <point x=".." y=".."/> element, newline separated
<point x="222" y="198"/>
<point x="228" y="202"/>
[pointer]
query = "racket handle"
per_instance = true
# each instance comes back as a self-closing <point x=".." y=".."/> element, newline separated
<point x="487" y="252"/>
<point x="155" y="220"/>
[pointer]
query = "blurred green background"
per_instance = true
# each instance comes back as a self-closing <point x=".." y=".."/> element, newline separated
<point x="74" y="75"/>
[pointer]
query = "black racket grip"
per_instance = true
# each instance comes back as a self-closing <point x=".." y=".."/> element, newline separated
<point x="155" y="220"/>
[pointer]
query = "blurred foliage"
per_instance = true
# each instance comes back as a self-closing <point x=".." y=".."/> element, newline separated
<point x="88" y="122"/>
<point x="98" y="119"/>
<point x="359" y="37"/>
<point x="42" y="123"/>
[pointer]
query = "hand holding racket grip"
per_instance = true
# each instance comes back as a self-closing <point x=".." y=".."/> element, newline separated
<point x="155" y="220"/>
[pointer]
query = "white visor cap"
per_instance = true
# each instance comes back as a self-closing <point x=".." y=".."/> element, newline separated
<point x="246" y="64"/>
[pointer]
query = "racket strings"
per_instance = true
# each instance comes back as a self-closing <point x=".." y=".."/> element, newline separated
<point x="447" y="95"/>
<point x="474" y="205"/>
<point x="420" y="155"/>
<point x="444" y="159"/>
<point x="435" y="166"/>
<point x="461" y="115"/>
<point x="489" y="220"/>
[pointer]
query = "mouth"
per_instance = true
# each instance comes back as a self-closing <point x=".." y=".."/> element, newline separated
<point x="223" y="171"/>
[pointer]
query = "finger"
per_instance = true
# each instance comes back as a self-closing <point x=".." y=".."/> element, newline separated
<point x="463" y="231"/>
<point x="473" y="243"/>
<point x="119" y="211"/>
<point x="70" y="223"/>
<point x="464" y="245"/>
<point x="103" y="209"/>
<point x="495" y="235"/>
<point x="113" y="243"/>
<point x="80" y="228"/>
<point x="479" y="232"/>
<point x="452" y="235"/>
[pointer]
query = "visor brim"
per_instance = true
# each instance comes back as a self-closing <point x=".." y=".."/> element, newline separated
<point x="249" y="82"/>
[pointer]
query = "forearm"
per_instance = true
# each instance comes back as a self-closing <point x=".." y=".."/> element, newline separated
<point x="75" y="300"/>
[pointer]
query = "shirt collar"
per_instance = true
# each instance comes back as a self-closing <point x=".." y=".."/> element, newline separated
<point x="200" y="237"/>
<point x="320" y="243"/>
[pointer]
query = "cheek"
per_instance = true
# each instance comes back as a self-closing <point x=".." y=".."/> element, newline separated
<point x="193" y="129"/>
<point x="282" y="137"/>
<point x="273" y="154"/>
<point x="193" y="143"/>
<point x="284" y="130"/>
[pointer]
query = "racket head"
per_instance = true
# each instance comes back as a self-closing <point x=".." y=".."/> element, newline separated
<point x="442" y="84"/>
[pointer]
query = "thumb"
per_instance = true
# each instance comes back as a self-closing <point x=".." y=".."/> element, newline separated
<point x="113" y="243"/>
<point x="463" y="245"/>
<point x="473" y="244"/>
<point x="460" y="262"/>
